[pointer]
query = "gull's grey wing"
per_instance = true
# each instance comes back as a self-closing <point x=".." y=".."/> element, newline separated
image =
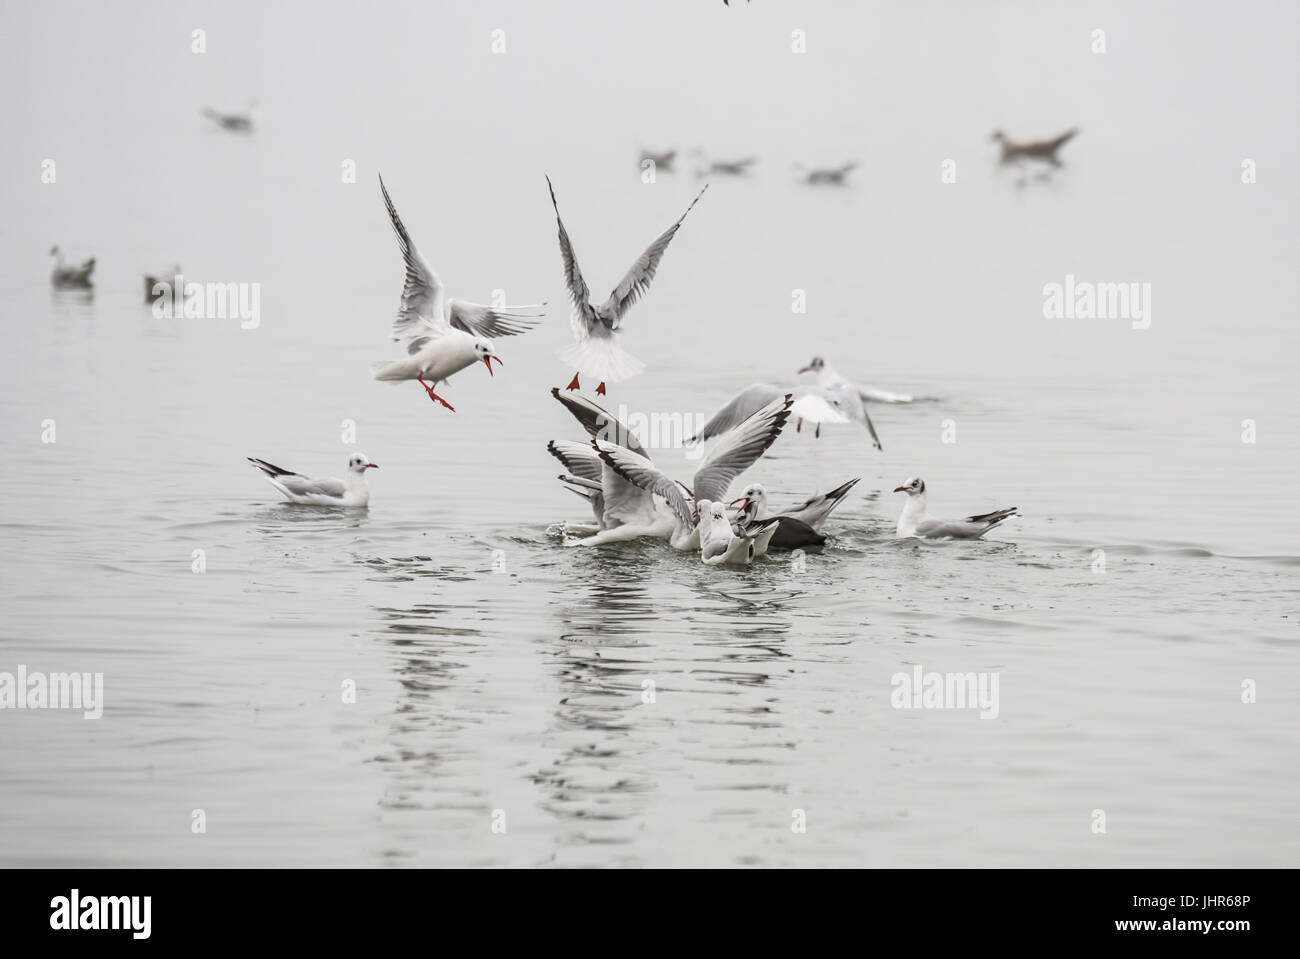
<point x="738" y="450"/>
<point x="598" y="423"/>
<point x="479" y="319"/>
<point x="940" y="528"/>
<point x="416" y="343"/>
<point x="814" y="510"/>
<point x="578" y="458"/>
<point x="422" y="293"/>
<point x="869" y="395"/>
<point x="871" y="428"/>
<point x="817" y="405"/>
<point x="640" y="472"/>
<point x="622" y="501"/>
<point x="972" y="527"/>
<point x="993" y="518"/>
<point x="304" y="485"/>
<point x="584" y="315"/>
<point x="737" y="409"/>
<point x="296" y="483"/>
<point x="714" y="547"/>
<point x="847" y="399"/>
<point x="589" y="491"/>
<point x="633" y="286"/>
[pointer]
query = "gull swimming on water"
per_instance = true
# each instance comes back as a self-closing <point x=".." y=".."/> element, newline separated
<point x="704" y="166"/>
<point x="913" y="521"/>
<point x="597" y="328"/>
<point x="783" y="533"/>
<point x="67" y="277"/>
<point x="677" y="517"/>
<point x="234" y="122"/>
<point x="835" y="176"/>
<point x="442" y="336"/>
<point x="829" y="378"/>
<point x="799" y="525"/>
<point x="816" y="404"/>
<point x="661" y="161"/>
<point x="721" y="544"/>
<point x="1041" y="150"/>
<point x="164" y="277"/>
<point x="321" y="492"/>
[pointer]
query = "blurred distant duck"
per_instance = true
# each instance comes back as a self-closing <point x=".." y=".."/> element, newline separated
<point x="663" y="161"/>
<point x="836" y="176"/>
<point x="66" y="277"/>
<point x="235" y="122"/>
<point x="722" y="167"/>
<point x="1042" y="150"/>
<point x="164" y="277"/>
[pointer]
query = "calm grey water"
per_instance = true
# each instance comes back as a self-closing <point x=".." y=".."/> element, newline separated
<point x="517" y="697"/>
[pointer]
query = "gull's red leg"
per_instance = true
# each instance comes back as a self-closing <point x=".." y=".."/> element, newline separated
<point x="818" y="434"/>
<point x="434" y="396"/>
<point x="798" y="426"/>
<point x="573" y="383"/>
<point x="600" y="390"/>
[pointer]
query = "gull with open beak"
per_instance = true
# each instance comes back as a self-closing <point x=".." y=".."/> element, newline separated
<point x="798" y="526"/>
<point x="677" y="517"/>
<point x="723" y="545"/>
<point x="442" y="336"/>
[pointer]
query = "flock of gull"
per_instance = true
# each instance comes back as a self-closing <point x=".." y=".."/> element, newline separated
<point x="630" y="497"/>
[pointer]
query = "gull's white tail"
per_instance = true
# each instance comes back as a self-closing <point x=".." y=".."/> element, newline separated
<point x="602" y="359"/>
<point x="391" y="371"/>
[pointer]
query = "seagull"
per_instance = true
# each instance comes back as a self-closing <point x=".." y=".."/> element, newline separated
<point x="1043" y="150"/>
<point x="836" y="176"/>
<point x="662" y="161"/>
<point x="784" y="533"/>
<point x="913" y="522"/>
<point x="163" y="277"/>
<point x="442" y="336"/>
<point x="677" y="504"/>
<point x="816" y="404"/>
<point x="597" y="328"/>
<point x="721" y="544"/>
<point x="827" y="377"/>
<point x="722" y="167"/>
<point x="66" y="277"/>
<point x="799" y="525"/>
<point x="321" y="492"/>
<point x="614" y="501"/>
<point x="234" y="122"/>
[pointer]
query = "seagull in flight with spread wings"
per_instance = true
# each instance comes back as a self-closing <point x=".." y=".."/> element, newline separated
<point x="442" y="336"/>
<point x="597" y="352"/>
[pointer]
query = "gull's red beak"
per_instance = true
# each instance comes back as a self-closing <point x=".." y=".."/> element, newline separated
<point x="743" y="501"/>
<point x="372" y="466"/>
<point x="806" y="369"/>
<point x="487" y="361"/>
<point x="900" y="489"/>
